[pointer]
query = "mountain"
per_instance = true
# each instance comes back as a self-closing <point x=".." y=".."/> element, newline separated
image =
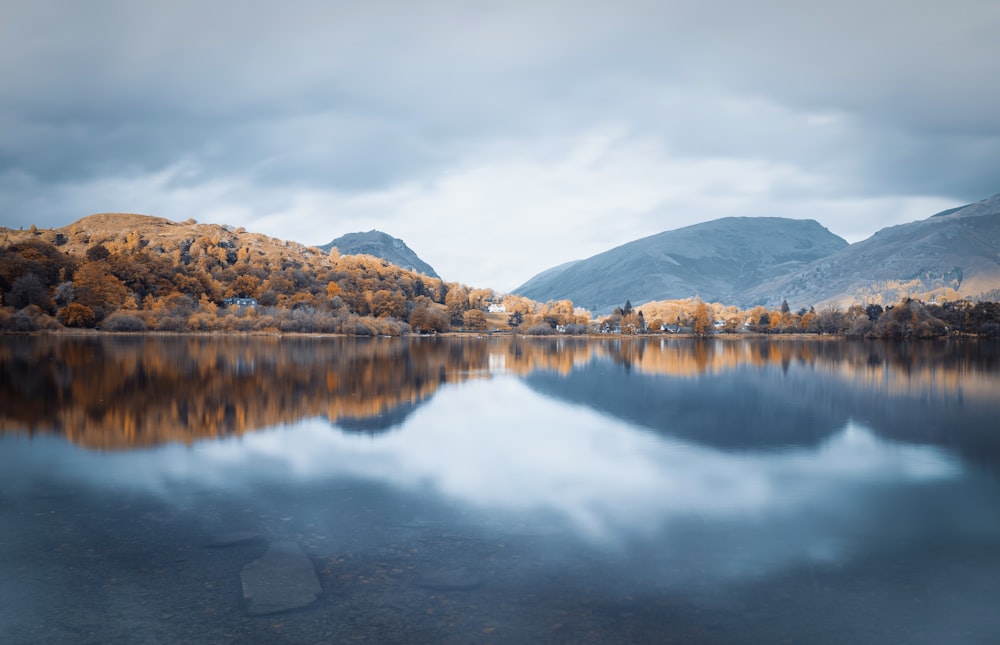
<point x="955" y="253"/>
<point x="717" y="261"/>
<point x="383" y="246"/>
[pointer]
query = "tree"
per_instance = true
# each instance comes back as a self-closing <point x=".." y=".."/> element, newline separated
<point x="474" y="319"/>
<point x="98" y="252"/>
<point x="558" y="312"/>
<point x="808" y="321"/>
<point x="76" y="315"/>
<point x="830" y="320"/>
<point x="29" y="290"/>
<point x="267" y="298"/>
<point x="515" y="319"/>
<point x="629" y="323"/>
<point x="457" y="303"/>
<point x="429" y="319"/>
<point x="96" y="287"/>
<point x="479" y="297"/>
<point x="386" y="304"/>
<point x="701" y="321"/>
<point x="245" y="286"/>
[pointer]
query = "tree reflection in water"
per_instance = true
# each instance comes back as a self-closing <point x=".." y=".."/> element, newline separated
<point x="501" y="489"/>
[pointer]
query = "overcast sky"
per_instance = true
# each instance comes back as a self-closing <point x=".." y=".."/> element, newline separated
<point x="497" y="139"/>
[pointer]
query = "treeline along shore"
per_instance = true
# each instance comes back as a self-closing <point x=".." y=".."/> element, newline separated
<point x="135" y="273"/>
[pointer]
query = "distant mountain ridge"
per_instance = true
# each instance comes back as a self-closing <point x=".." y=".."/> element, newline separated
<point x="716" y="261"/>
<point x="381" y="245"/>
<point x="955" y="253"/>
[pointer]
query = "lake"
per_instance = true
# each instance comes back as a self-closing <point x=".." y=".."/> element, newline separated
<point x="203" y="489"/>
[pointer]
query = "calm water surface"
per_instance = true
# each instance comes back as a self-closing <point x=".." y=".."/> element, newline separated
<point x="499" y="490"/>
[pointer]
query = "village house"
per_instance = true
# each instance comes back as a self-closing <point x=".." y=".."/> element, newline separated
<point x="241" y="303"/>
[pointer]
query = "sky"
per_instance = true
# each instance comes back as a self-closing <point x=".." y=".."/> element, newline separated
<point x="497" y="139"/>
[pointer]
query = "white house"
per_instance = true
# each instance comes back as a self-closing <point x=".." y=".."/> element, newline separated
<point x="240" y="303"/>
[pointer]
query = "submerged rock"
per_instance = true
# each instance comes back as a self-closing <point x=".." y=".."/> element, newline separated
<point x="283" y="578"/>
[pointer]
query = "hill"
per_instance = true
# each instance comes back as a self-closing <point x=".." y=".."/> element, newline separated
<point x="953" y="254"/>
<point x="130" y="272"/>
<point x="718" y="260"/>
<point x="383" y="246"/>
<point x="160" y="235"/>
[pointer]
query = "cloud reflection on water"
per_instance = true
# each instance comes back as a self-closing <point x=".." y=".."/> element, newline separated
<point x="497" y="446"/>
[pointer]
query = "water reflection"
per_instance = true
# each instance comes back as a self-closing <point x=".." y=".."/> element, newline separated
<point x="142" y="391"/>
<point x="624" y="487"/>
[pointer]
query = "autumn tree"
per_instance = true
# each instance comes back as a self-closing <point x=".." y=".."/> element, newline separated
<point x="385" y="303"/>
<point x="808" y="321"/>
<point x="519" y="304"/>
<point x="429" y="319"/>
<point x="76" y="315"/>
<point x="96" y="287"/>
<point x="244" y="286"/>
<point x="457" y="303"/>
<point x="558" y="312"/>
<point x="479" y="297"/>
<point x="474" y="319"/>
<point x="629" y="323"/>
<point x="701" y="321"/>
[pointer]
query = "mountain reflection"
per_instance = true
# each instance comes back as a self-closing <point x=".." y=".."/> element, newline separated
<point x="116" y="393"/>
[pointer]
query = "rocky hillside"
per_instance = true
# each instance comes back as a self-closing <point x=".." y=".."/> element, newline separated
<point x="718" y="261"/>
<point x="954" y="254"/>
<point x="383" y="246"/>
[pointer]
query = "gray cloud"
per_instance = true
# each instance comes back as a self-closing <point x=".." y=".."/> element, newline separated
<point x="347" y="115"/>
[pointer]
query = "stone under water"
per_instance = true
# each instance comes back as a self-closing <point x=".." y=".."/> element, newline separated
<point x="283" y="578"/>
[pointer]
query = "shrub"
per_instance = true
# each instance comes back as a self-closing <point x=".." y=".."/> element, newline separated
<point x="171" y="323"/>
<point x="19" y="322"/>
<point x="31" y="318"/>
<point x="990" y="329"/>
<point x="201" y="322"/>
<point x="76" y="315"/>
<point x="119" y="322"/>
